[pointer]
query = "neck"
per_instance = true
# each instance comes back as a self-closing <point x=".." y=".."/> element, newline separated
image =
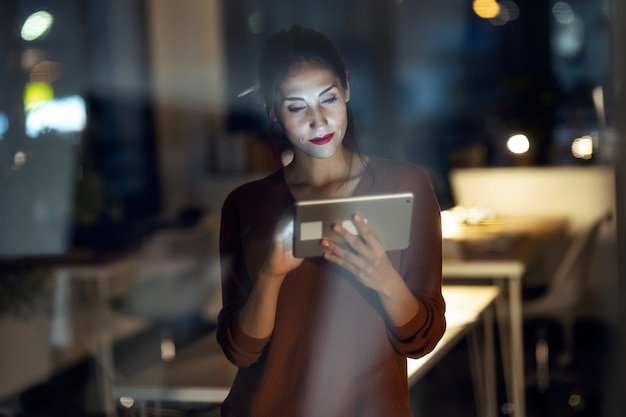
<point x="319" y="178"/>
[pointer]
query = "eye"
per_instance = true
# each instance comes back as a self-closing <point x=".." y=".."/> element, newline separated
<point x="329" y="100"/>
<point x="295" y="109"/>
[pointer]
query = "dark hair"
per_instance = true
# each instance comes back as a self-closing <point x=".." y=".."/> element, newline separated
<point x="298" y="45"/>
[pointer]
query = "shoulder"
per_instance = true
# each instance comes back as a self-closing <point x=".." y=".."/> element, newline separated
<point x="399" y="173"/>
<point x="255" y="191"/>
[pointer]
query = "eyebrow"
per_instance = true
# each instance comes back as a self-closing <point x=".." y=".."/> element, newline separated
<point x="319" y="95"/>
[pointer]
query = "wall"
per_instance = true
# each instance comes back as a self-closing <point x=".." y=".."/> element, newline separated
<point x="580" y="193"/>
<point x="188" y="84"/>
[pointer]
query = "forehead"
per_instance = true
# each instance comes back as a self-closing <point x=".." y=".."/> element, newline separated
<point x="308" y="78"/>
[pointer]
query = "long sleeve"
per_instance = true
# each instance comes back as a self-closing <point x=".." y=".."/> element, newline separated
<point x="420" y="266"/>
<point x="241" y="349"/>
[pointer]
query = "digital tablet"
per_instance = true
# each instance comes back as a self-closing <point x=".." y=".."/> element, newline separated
<point x="388" y="215"/>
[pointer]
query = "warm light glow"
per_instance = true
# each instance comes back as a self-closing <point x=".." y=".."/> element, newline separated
<point x="37" y="25"/>
<point x="598" y="103"/>
<point x="45" y="72"/>
<point x="454" y="219"/>
<point x="486" y="9"/>
<point x="574" y="400"/>
<point x="168" y="349"/>
<point x="518" y="144"/>
<point x="66" y="115"/>
<point x="19" y="159"/>
<point x="582" y="148"/>
<point x="451" y="224"/>
<point x="127" y="402"/>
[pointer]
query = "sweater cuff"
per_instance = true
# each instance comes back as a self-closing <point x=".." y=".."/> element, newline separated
<point x="246" y="342"/>
<point x="413" y="326"/>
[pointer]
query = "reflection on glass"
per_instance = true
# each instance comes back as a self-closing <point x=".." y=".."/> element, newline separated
<point x="65" y="115"/>
<point x="37" y="25"/>
<point x="509" y="11"/>
<point x="168" y="349"/>
<point x="127" y="402"/>
<point x="4" y="124"/>
<point x="563" y="12"/>
<point x="36" y="95"/>
<point x="19" y="159"/>
<point x="45" y="72"/>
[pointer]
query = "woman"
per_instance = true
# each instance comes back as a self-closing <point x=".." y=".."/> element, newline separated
<point x="327" y="336"/>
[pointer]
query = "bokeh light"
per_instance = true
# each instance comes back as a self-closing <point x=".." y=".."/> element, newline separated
<point x="563" y="13"/>
<point x="45" y="72"/>
<point x="37" y="25"/>
<point x="509" y="12"/>
<point x="582" y="148"/>
<point x="518" y="144"/>
<point x="66" y="115"/>
<point x="486" y="9"/>
<point x="19" y="159"/>
<point x="127" y="402"/>
<point x="36" y="95"/>
<point x="256" y="22"/>
<point x="4" y="124"/>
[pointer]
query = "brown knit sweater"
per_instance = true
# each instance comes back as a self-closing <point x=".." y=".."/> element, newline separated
<point x="333" y="352"/>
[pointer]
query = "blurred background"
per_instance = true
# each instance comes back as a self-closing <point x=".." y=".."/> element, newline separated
<point x="122" y="129"/>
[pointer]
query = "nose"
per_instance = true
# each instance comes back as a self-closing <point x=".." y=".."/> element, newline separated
<point x="318" y="118"/>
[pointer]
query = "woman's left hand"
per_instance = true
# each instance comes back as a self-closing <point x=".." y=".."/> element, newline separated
<point x="363" y="255"/>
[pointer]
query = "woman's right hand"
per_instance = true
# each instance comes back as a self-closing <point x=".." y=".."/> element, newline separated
<point x="258" y="314"/>
<point x="280" y="260"/>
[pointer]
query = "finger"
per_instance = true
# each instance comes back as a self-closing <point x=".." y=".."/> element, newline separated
<point x="365" y="231"/>
<point x="354" y="241"/>
<point x="342" y="259"/>
<point x="346" y="257"/>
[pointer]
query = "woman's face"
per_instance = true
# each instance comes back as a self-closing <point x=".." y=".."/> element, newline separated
<point x="311" y="108"/>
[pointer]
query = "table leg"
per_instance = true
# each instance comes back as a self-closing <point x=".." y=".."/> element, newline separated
<point x="509" y="312"/>
<point x="104" y="342"/>
<point x="489" y="366"/>
<point x="483" y="366"/>
<point x="517" y="347"/>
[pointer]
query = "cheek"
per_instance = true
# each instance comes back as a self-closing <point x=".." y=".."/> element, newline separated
<point x="291" y="124"/>
<point x="295" y="122"/>
<point x="293" y="128"/>
<point x="342" y="118"/>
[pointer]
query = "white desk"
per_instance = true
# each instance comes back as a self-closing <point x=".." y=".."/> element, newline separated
<point x="201" y="373"/>
<point x="503" y="260"/>
<point x="507" y="275"/>
<point x="465" y="307"/>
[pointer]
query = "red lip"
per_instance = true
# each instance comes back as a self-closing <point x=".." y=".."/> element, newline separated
<point x="322" y="140"/>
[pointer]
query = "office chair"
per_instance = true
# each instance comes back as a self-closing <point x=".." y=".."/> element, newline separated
<point x="561" y="301"/>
